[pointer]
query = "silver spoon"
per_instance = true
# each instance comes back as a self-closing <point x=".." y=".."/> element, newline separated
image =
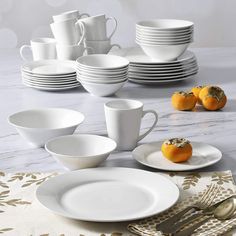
<point x="224" y="211"/>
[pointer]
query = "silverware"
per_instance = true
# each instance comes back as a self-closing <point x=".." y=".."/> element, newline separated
<point x="224" y="210"/>
<point x="168" y="226"/>
<point x="206" y="211"/>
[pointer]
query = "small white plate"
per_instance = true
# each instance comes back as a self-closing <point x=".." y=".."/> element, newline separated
<point x="46" y="88"/>
<point x="48" y="76"/>
<point x="50" y="67"/>
<point x="137" y="56"/>
<point x="110" y="194"/>
<point x="150" y="155"/>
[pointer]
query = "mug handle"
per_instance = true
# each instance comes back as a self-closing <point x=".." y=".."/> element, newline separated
<point x="84" y="14"/>
<point x="115" y="45"/>
<point x="86" y="49"/>
<point x="82" y="28"/>
<point x="115" y="22"/>
<point x="152" y="127"/>
<point x="22" y="49"/>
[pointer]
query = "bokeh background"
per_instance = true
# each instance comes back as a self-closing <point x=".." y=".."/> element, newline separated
<point x="215" y="20"/>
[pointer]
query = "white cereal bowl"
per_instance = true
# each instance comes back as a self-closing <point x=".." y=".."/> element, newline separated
<point x="104" y="80"/>
<point x="80" y="151"/>
<point x="161" y="53"/>
<point x="102" y="89"/>
<point x="37" y="126"/>
<point x="165" y="25"/>
<point x="102" y="62"/>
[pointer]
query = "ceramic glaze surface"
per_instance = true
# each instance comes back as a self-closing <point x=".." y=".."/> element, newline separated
<point x="217" y="67"/>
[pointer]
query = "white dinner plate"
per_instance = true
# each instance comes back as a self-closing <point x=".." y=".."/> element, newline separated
<point x="203" y="155"/>
<point x="137" y="56"/>
<point x="109" y="194"/>
<point x="159" y="81"/>
<point x="48" y="76"/>
<point x="47" y="88"/>
<point x="164" y="70"/>
<point x="50" y="67"/>
<point x="48" y="83"/>
<point x="162" y="74"/>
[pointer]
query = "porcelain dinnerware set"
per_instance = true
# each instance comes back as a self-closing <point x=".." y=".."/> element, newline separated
<point x="50" y="75"/>
<point x="102" y="75"/>
<point x="97" y="194"/>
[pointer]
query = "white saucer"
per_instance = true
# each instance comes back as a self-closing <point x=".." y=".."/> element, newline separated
<point x="150" y="155"/>
<point x="50" y="67"/>
<point x="137" y="56"/>
<point x="109" y="194"/>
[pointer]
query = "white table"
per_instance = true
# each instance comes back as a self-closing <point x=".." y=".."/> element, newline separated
<point x="217" y="67"/>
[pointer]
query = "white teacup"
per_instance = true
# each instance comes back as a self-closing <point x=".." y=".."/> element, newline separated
<point x="42" y="49"/>
<point x="123" y="120"/>
<point x="70" y="52"/>
<point x="69" y="15"/>
<point x="100" y="46"/>
<point x="96" y="27"/>
<point x="68" y="32"/>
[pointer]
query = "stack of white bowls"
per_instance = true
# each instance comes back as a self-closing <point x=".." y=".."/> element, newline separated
<point x="102" y="75"/>
<point x="164" y="39"/>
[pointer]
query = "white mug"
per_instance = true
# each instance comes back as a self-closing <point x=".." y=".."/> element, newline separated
<point x="69" y="15"/>
<point x="42" y="49"/>
<point x="123" y="120"/>
<point x="70" y="52"/>
<point x="100" y="46"/>
<point x="96" y="27"/>
<point x="68" y="32"/>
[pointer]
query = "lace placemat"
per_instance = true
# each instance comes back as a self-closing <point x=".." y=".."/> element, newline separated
<point x="22" y="215"/>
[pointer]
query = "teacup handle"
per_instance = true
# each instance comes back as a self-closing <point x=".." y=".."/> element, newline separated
<point x="152" y="127"/>
<point x="86" y="49"/>
<point x="22" y="49"/>
<point x="115" y="22"/>
<point x="81" y="25"/>
<point x="84" y="14"/>
<point x="115" y="45"/>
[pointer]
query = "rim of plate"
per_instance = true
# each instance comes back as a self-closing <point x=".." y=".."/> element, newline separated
<point x="137" y="157"/>
<point x="42" y="190"/>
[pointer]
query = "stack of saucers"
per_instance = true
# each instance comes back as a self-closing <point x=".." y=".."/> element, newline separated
<point x="51" y="75"/>
<point x="164" y="39"/>
<point x="102" y="75"/>
<point x="143" y="70"/>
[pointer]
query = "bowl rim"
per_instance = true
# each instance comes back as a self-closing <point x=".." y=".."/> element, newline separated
<point x="43" y="109"/>
<point x="53" y="153"/>
<point x="125" y="64"/>
<point x="143" y="24"/>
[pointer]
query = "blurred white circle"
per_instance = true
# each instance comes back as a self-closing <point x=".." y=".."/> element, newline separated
<point x="8" y="38"/>
<point x="56" y="3"/>
<point x="5" y="5"/>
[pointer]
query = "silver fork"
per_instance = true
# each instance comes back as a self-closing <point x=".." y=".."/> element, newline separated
<point x="170" y="225"/>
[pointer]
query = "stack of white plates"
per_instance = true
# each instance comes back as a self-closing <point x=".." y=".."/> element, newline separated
<point x="143" y="70"/>
<point x="102" y="75"/>
<point x="164" y="39"/>
<point x="51" y="75"/>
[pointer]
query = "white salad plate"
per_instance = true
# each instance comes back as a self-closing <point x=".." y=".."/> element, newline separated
<point x="57" y="77"/>
<point x="110" y="194"/>
<point x="49" y="81"/>
<point x="203" y="155"/>
<point x="50" y="67"/>
<point x="135" y="55"/>
<point x="53" y="85"/>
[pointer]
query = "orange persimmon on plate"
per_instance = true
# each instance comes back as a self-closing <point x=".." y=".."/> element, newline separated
<point x="183" y="101"/>
<point x="177" y="149"/>
<point x="213" y="98"/>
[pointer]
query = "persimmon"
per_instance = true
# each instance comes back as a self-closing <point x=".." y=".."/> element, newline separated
<point x="213" y="98"/>
<point x="177" y="149"/>
<point x="196" y="90"/>
<point x="183" y="101"/>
